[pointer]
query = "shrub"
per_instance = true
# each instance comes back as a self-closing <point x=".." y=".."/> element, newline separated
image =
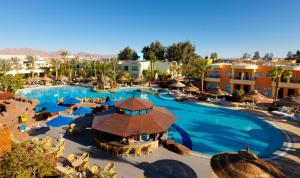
<point x="27" y="160"/>
<point x="238" y="95"/>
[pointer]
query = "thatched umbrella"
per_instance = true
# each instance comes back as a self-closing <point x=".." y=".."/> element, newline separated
<point x="46" y="79"/>
<point x="105" y="78"/>
<point x="290" y="101"/>
<point x="33" y="79"/>
<point x="242" y="164"/>
<point x="257" y="97"/>
<point x="191" y="88"/>
<point x="138" y="80"/>
<point x="216" y="92"/>
<point x="63" y="78"/>
<point x="177" y="84"/>
<point x="123" y="79"/>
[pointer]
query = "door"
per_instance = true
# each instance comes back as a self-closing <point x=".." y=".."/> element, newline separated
<point x="246" y="88"/>
<point x="291" y="92"/>
<point x="280" y="93"/>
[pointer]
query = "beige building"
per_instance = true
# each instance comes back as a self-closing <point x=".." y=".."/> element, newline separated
<point x="135" y="68"/>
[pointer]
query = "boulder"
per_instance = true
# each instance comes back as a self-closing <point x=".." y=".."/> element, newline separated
<point x="178" y="148"/>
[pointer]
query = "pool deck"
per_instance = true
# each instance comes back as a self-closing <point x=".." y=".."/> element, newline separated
<point x="159" y="164"/>
<point x="163" y="163"/>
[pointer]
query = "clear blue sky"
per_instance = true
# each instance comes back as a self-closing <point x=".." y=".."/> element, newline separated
<point x="229" y="27"/>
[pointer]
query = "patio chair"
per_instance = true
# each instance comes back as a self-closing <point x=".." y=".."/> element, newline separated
<point x="36" y="140"/>
<point x="149" y="149"/>
<point x="115" y="150"/>
<point x="71" y="158"/>
<point x="95" y="169"/>
<point x="110" y="167"/>
<point x="137" y="151"/>
<point x="125" y="152"/>
<point x="47" y="143"/>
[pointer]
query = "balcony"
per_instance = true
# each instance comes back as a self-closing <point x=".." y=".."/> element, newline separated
<point x="213" y="78"/>
<point x="243" y="80"/>
<point x="292" y="83"/>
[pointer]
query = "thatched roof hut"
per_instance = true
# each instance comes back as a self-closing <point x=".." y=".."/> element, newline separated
<point x="242" y="164"/>
<point x="290" y="101"/>
<point x="177" y="84"/>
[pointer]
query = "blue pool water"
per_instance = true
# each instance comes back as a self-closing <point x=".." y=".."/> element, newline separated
<point x="204" y="129"/>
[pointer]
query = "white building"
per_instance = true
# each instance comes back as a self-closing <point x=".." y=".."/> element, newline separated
<point x="24" y="66"/>
<point x="135" y="68"/>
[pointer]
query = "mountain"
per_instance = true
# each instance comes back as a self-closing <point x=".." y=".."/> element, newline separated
<point x="48" y="54"/>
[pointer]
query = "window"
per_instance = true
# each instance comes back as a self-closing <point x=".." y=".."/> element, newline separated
<point x="229" y="74"/>
<point x="228" y="88"/>
<point x="267" y="92"/>
<point x="257" y="88"/>
<point x="214" y="74"/>
<point x="212" y="85"/>
<point x="135" y="68"/>
<point x="258" y="74"/>
<point x="126" y="68"/>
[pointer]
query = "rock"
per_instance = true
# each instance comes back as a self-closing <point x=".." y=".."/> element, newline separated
<point x="178" y="148"/>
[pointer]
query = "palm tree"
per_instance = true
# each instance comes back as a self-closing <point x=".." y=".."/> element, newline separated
<point x="277" y="72"/>
<point x="55" y="64"/>
<point x="173" y="68"/>
<point x="202" y="66"/>
<point x="16" y="63"/>
<point x="73" y="64"/>
<point x="63" y="56"/>
<point x="5" y="66"/>
<point x="94" y="64"/>
<point x="114" y="62"/>
<point x="32" y="60"/>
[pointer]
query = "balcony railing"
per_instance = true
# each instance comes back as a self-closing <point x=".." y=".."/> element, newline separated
<point x="213" y="76"/>
<point x="243" y="78"/>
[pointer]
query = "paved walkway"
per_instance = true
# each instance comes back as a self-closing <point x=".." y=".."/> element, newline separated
<point x="160" y="164"/>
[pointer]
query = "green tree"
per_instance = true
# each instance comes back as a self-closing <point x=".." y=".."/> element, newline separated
<point x="246" y="56"/>
<point x="214" y="56"/>
<point x="5" y="66"/>
<point x="184" y="54"/>
<point x="154" y="52"/>
<point x="128" y="54"/>
<point x="277" y="72"/>
<point x="289" y="56"/>
<point x="56" y="65"/>
<point x="147" y="76"/>
<point x="202" y="67"/>
<point x="16" y="63"/>
<point x="63" y="56"/>
<point x="32" y="61"/>
<point x="256" y="55"/>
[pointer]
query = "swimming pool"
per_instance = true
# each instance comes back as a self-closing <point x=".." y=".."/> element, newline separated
<point x="204" y="129"/>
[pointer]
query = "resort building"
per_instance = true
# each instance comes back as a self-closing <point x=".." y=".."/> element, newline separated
<point x="135" y="68"/>
<point x="253" y="75"/>
<point x="24" y="66"/>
